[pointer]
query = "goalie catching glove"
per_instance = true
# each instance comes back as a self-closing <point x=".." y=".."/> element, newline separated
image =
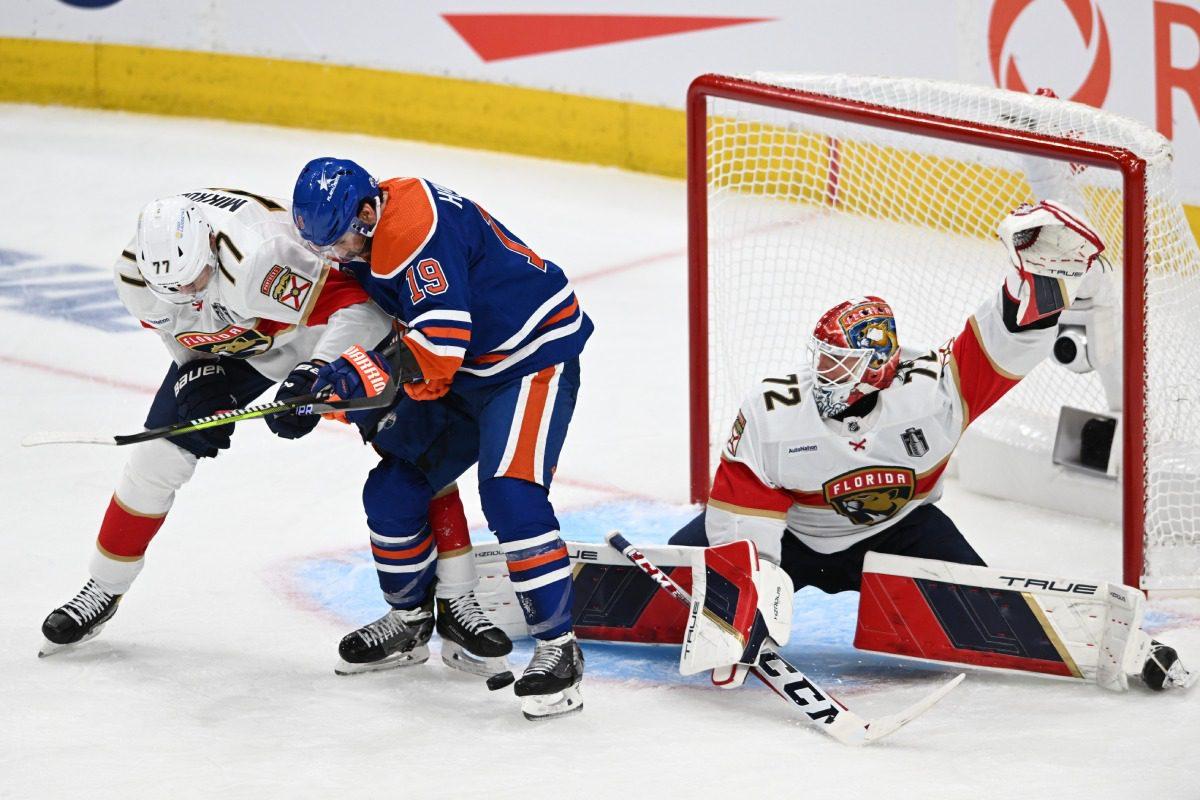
<point x="738" y="603"/>
<point x="1051" y="249"/>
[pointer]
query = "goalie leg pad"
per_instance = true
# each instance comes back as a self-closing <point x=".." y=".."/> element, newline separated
<point x="998" y="619"/>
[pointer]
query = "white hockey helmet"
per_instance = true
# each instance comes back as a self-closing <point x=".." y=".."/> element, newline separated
<point x="175" y="251"/>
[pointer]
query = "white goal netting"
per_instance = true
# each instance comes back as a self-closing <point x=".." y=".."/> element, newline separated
<point x="805" y="210"/>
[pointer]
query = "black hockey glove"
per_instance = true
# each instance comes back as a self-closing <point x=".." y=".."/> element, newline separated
<point x="299" y="382"/>
<point x="201" y="390"/>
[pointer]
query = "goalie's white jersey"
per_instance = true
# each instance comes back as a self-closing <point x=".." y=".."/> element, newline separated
<point x="835" y="483"/>
<point x="271" y="299"/>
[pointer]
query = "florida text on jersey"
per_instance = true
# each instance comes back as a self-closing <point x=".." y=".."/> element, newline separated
<point x="480" y="306"/>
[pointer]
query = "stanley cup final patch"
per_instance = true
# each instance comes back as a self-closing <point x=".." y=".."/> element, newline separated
<point x="914" y="442"/>
<point x="286" y="287"/>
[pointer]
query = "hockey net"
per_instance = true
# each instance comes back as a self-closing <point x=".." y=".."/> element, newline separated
<point x="805" y="190"/>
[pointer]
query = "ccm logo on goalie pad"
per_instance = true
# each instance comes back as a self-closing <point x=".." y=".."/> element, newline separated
<point x="799" y="691"/>
<point x="1051" y="586"/>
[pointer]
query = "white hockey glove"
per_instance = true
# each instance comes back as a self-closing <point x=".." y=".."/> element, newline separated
<point x="1051" y="249"/>
<point x="738" y="604"/>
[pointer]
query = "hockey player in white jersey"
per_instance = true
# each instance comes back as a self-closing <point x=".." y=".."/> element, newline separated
<point x="221" y="276"/>
<point x="847" y="454"/>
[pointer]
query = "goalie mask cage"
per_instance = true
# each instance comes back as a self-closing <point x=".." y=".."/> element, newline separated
<point x="805" y="190"/>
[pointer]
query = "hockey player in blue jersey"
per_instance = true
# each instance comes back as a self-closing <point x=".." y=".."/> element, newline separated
<point x="494" y="332"/>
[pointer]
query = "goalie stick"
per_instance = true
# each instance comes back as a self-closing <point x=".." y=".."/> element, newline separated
<point x="820" y="708"/>
<point x="305" y="405"/>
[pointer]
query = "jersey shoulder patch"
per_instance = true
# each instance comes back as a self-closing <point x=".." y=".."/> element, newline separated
<point x="408" y="222"/>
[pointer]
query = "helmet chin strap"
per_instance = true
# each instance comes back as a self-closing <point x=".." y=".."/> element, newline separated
<point x="361" y="228"/>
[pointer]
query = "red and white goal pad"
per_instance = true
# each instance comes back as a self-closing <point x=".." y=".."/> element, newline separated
<point x="1010" y="620"/>
<point x="804" y="190"/>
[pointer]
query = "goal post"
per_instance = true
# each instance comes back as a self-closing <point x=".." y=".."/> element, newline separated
<point x="804" y="190"/>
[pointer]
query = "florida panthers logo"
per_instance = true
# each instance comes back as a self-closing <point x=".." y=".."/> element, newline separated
<point x="872" y="494"/>
<point x="870" y="324"/>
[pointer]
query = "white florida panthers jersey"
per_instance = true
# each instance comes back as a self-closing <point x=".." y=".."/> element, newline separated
<point x="834" y="483"/>
<point x="271" y="300"/>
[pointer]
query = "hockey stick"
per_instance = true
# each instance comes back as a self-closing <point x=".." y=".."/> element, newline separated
<point x="304" y="405"/>
<point x="819" y="707"/>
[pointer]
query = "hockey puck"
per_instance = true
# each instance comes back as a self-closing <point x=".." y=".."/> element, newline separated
<point x="500" y="680"/>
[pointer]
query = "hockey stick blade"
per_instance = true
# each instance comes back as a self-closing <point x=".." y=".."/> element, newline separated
<point x="37" y="439"/>
<point x="819" y="707"/>
<point x="883" y="726"/>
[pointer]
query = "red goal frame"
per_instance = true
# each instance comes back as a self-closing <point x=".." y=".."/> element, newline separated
<point x="1133" y="177"/>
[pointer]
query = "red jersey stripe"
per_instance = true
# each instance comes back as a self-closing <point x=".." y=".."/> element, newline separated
<point x="336" y="290"/>
<point x="980" y="381"/>
<point x="736" y="484"/>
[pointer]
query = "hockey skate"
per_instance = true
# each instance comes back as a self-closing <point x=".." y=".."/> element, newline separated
<point x="550" y="685"/>
<point x="397" y="639"/>
<point x="80" y="619"/>
<point x="1164" y="670"/>
<point x="470" y="641"/>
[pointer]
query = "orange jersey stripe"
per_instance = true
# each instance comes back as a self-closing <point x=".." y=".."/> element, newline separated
<point x="522" y="465"/>
<point x="405" y="225"/>
<point x="447" y="333"/>
<point x="410" y="552"/>
<point x="490" y="358"/>
<point x="433" y="366"/>
<point x="538" y="560"/>
<point x="561" y="315"/>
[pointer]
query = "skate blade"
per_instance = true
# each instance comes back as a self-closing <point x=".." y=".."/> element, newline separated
<point x="49" y="648"/>
<point x="537" y="708"/>
<point x="410" y="658"/>
<point x="457" y="657"/>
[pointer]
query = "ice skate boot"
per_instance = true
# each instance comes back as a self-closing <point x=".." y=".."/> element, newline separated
<point x="397" y="639"/>
<point x="1164" y="670"/>
<point x="80" y="619"/>
<point x="470" y="641"/>
<point x="550" y="685"/>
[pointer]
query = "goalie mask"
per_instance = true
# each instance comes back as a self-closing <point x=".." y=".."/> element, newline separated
<point x="175" y="253"/>
<point x="854" y="350"/>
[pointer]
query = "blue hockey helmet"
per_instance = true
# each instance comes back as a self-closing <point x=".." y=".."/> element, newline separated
<point x="327" y="197"/>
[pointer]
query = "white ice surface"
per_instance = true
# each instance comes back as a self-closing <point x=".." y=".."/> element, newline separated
<point x="215" y="679"/>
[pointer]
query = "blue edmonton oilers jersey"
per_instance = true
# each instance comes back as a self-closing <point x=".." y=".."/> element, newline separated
<point x="480" y="306"/>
